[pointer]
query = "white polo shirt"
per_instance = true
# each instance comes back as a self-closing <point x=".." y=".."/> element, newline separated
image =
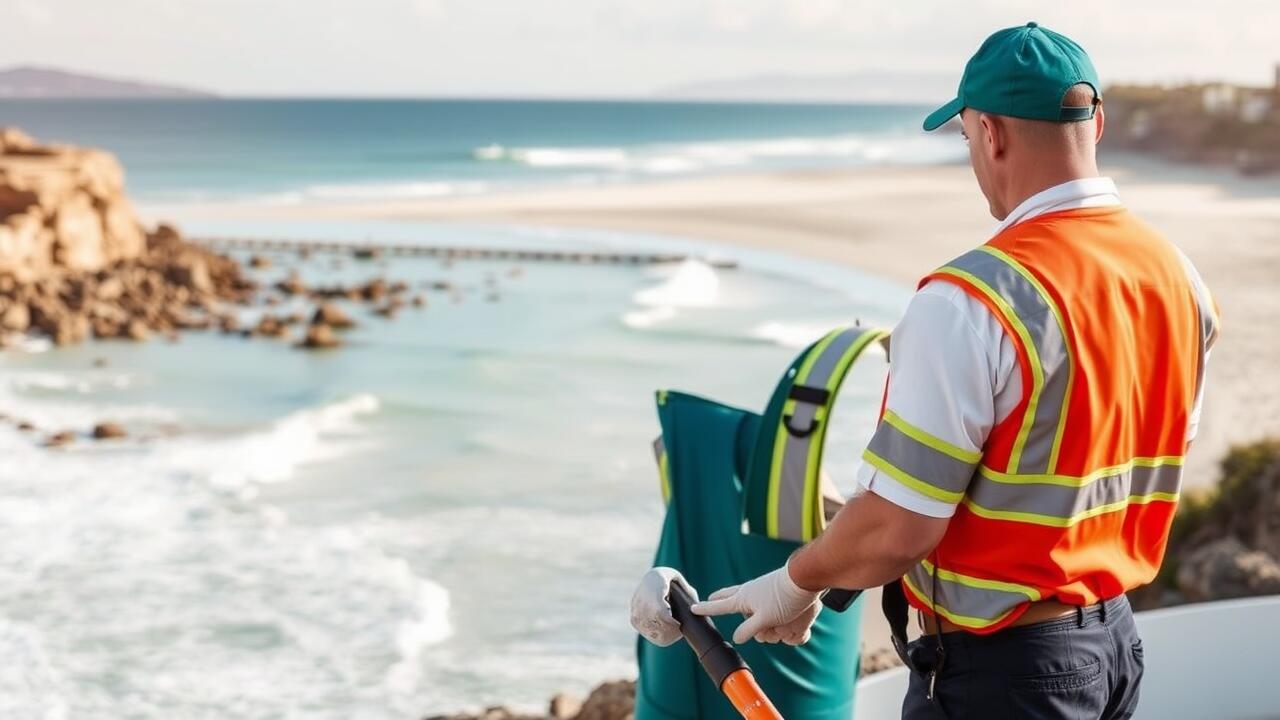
<point x="952" y="369"/>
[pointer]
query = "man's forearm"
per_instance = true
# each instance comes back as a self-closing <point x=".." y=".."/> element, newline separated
<point x="869" y="543"/>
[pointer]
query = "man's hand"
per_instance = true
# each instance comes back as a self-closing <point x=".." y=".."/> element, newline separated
<point x="775" y="607"/>
<point x="650" y="609"/>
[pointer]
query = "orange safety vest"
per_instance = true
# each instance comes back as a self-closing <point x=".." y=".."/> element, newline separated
<point x="1073" y="494"/>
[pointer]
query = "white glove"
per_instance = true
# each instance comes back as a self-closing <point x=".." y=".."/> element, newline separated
<point x="650" y="609"/>
<point x="775" y="607"/>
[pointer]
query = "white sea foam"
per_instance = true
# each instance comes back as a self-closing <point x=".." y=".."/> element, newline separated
<point x="274" y="453"/>
<point x="693" y="283"/>
<point x="692" y="157"/>
<point x="190" y="599"/>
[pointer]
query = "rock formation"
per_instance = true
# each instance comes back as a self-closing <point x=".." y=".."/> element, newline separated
<point x="1226" y="544"/>
<point x="62" y="207"/>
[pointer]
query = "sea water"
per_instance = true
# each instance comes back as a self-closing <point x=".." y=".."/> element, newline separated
<point x="300" y="151"/>
<point x="450" y="511"/>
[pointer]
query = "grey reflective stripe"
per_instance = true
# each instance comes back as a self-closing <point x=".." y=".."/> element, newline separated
<point x="1034" y="313"/>
<point x="836" y="352"/>
<point x="664" y="468"/>
<point x="1063" y="505"/>
<point x="923" y="464"/>
<point x="1208" y="321"/>
<point x="796" y="450"/>
<point x="966" y="604"/>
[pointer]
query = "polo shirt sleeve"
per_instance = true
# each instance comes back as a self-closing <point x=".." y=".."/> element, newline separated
<point x="950" y="363"/>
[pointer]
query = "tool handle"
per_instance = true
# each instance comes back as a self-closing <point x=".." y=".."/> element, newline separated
<point x="840" y="600"/>
<point x="723" y="664"/>
<point x="718" y="657"/>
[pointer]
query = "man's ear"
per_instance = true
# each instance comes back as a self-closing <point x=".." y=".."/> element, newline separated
<point x="993" y="135"/>
<point x="1099" y="122"/>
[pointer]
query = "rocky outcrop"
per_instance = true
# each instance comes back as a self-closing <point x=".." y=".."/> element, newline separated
<point x="1226" y="544"/>
<point x="172" y="285"/>
<point x="1226" y="569"/>
<point x="62" y="207"/>
<point x="609" y="701"/>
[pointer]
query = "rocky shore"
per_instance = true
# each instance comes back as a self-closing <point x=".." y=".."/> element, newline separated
<point x="77" y="263"/>
<point x="609" y="701"/>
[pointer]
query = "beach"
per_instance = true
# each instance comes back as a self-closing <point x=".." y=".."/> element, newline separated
<point x="900" y="222"/>
<point x="388" y="526"/>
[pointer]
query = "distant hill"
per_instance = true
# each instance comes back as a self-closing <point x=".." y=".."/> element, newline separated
<point x="36" y="82"/>
<point x="868" y="86"/>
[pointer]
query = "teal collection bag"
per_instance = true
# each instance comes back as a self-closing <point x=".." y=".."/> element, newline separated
<point x="743" y="492"/>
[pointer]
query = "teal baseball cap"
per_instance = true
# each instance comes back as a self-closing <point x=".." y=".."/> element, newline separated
<point x="1023" y="72"/>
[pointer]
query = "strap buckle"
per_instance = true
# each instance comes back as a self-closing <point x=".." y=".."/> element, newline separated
<point x="808" y="395"/>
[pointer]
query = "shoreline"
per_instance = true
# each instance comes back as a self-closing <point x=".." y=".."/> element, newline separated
<point x="899" y="222"/>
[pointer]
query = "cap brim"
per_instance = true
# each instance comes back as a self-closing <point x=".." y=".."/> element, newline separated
<point x="939" y="117"/>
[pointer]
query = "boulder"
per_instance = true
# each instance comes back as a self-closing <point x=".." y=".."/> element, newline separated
<point x="333" y="316"/>
<point x="13" y="140"/>
<point x="259" y="262"/>
<point x="610" y="701"/>
<point x="1225" y="569"/>
<point x="15" y="318"/>
<point x="192" y="272"/>
<point x="137" y="330"/>
<point x="319" y="337"/>
<point x="270" y="326"/>
<point x="108" y="431"/>
<point x="564" y="707"/>
<point x="292" y="285"/>
<point x="59" y="439"/>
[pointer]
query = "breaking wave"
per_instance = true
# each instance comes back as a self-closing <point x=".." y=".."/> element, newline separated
<point x="692" y="157"/>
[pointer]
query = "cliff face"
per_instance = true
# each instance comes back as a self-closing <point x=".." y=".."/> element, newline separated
<point x="62" y="207"/>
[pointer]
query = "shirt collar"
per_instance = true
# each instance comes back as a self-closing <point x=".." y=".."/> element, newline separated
<point x="1070" y="195"/>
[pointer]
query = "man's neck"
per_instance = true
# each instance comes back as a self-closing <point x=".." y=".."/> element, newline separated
<point x="1029" y="184"/>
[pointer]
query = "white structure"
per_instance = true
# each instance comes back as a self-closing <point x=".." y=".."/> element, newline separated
<point x="1212" y="660"/>
<point x="1218" y="99"/>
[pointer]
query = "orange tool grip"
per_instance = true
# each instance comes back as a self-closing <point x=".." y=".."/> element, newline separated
<point x="741" y="689"/>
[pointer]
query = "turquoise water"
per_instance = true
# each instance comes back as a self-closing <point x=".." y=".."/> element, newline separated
<point x="449" y="512"/>
<point x="294" y="151"/>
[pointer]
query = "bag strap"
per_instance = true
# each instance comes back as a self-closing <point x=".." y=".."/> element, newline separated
<point x="783" y="494"/>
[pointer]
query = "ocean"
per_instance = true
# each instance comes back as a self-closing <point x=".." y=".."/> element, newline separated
<point x="451" y="511"/>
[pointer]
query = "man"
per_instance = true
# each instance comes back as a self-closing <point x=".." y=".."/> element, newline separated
<point x="1043" y="390"/>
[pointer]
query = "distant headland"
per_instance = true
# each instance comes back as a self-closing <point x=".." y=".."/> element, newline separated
<point x="40" y="82"/>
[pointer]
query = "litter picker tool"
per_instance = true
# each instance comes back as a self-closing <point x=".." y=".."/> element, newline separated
<point x="727" y="669"/>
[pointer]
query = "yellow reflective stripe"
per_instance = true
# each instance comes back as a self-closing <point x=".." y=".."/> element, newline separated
<point x="962" y="620"/>
<point x="812" y="503"/>
<point x="982" y="583"/>
<point x="1064" y="522"/>
<point x="1033" y="357"/>
<point x="910" y="481"/>
<point x="924" y="438"/>
<point x="664" y="477"/>
<point x="1074" y="480"/>
<point x="779" y="440"/>
<point x="1066" y="343"/>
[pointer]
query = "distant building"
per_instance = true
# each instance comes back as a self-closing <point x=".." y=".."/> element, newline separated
<point x="1255" y="107"/>
<point x="1219" y="99"/>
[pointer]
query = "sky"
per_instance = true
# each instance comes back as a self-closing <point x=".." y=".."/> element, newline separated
<point x="605" y="48"/>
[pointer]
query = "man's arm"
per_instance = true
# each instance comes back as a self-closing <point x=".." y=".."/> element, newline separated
<point x="869" y="543"/>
